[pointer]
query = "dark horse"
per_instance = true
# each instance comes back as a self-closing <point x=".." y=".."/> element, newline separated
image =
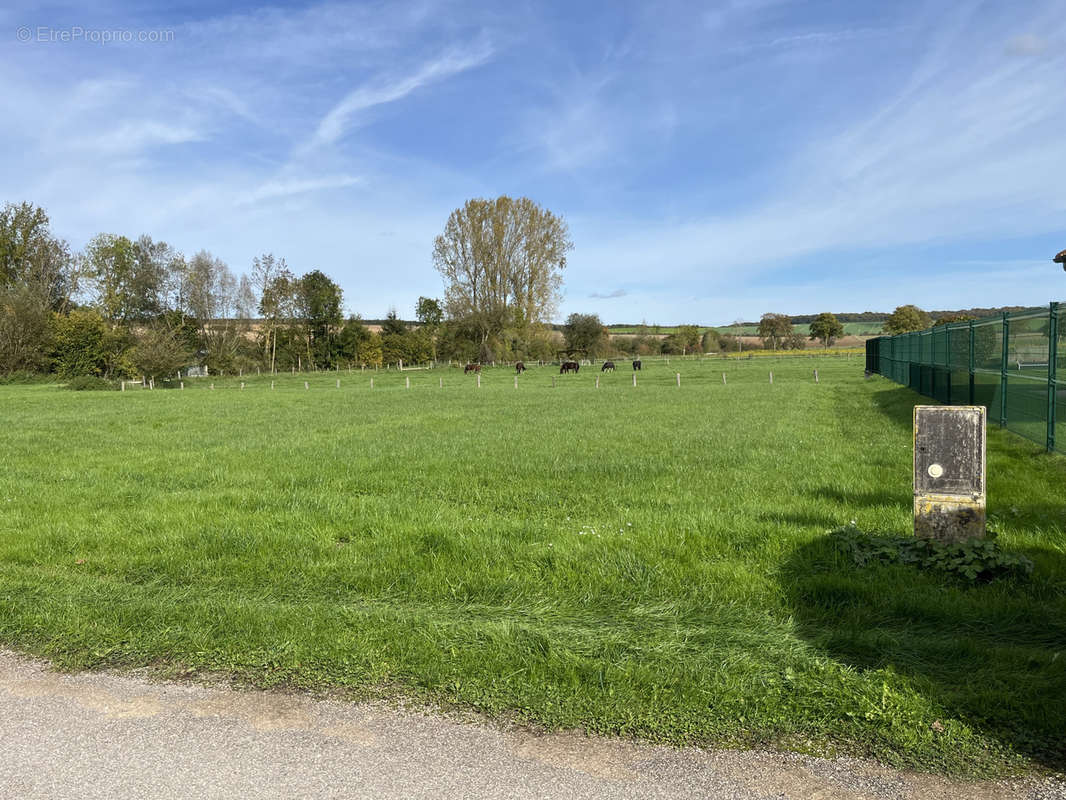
<point x="472" y="368"/>
<point x="519" y="367"/>
<point x="636" y="365"/>
<point x="568" y="366"/>
<point x="607" y="366"/>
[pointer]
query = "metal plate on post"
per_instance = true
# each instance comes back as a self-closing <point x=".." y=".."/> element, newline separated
<point x="949" y="472"/>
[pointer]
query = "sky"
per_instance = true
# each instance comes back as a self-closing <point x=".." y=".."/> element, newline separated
<point x="714" y="161"/>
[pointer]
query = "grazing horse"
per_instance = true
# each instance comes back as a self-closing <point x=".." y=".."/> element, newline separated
<point x="636" y="365"/>
<point x="569" y="366"/>
<point x="519" y="367"/>
<point x="472" y="368"/>
<point x="608" y="366"/>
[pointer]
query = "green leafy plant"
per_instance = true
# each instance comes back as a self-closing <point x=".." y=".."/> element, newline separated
<point x="978" y="560"/>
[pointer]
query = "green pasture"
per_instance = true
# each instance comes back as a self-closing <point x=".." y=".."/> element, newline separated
<point x="649" y="561"/>
<point x="850" y="329"/>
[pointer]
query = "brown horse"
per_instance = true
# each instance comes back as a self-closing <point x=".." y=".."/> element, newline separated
<point x="519" y="367"/>
<point x="472" y="368"/>
<point x="569" y="366"/>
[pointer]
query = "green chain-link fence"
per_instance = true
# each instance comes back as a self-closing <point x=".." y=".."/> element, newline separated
<point x="1011" y="364"/>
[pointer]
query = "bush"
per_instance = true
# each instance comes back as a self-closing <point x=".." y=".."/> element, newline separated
<point x="974" y="559"/>
<point x="89" y="383"/>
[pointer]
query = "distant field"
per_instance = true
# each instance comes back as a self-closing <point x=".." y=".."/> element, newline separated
<point x="850" y="329"/>
<point x="647" y="561"/>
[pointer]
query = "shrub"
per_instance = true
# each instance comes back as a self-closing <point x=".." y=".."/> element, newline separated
<point x="974" y="559"/>
<point x="89" y="383"/>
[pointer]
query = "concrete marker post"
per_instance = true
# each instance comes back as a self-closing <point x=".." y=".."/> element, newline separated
<point x="949" y="472"/>
<point x="371" y="383"/>
<point x="516" y="381"/>
<point x="597" y="381"/>
<point x="479" y="380"/>
<point x="306" y="386"/>
<point x="407" y="381"/>
<point x="679" y="380"/>
<point x="181" y="384"/>
<point x="272" y="386"/>
<point x="771" y="376"/>
<point x="338" y="383"/>
<point x="441" y="382"/>
<point x="242" y="386"/>
<point x="634" y="380"/>
<point x="723" y="379"/>
<point x="816" y="376"/>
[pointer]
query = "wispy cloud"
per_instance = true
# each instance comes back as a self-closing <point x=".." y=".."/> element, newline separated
<point x="389" y="89"/>
<point x="608" y="295"/>
<point x="275" y="189"/>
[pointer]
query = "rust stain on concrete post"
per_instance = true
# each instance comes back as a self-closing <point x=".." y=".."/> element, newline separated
<point x="949" y="472"/>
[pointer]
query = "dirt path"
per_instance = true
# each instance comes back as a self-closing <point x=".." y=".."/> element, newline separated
<point x="116" y="736"/>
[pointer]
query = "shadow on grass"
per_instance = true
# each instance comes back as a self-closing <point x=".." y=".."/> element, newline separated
<point x="992" y="656"/>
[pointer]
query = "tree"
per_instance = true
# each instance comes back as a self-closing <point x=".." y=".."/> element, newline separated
<point x="33" y="258"/>
<point x="277" y="299"/>
<point x="319" y="307"/>
<point x="159" y="351"/>
<point x="684" y="339"/>
<point x="773" y="328"/>
<point x="501" y="261"/>
<point x="84" y="343"/>
<point x="109" y="268"/>
<point x="826" y="328"/>
<point x="585" y="332"/>
<point x="947" y="319"/>
<point x="907" y="318"/>
<point x="429" y="313"/>
<point x="711" y="341"/>
<point x="23" y="329"/>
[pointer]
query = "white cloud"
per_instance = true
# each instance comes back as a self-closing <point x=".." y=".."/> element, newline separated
<point x="272" y="190"/>
<point x="390" y="89"/>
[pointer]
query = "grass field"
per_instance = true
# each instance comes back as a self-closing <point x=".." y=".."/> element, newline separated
<point x="850" y="329"/>
<point x="649" y="561"/>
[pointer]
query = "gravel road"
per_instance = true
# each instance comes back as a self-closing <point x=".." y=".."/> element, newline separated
<point x="106" y="735"/>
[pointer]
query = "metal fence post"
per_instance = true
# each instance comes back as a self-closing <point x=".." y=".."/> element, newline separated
<point x="1003" y="372"/>
<point x="971" y="362"/>
<point x="1052" y="357"/>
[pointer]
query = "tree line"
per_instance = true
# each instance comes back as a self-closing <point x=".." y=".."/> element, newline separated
<point x="127" y="306"/>
<point x="124" y="307"/>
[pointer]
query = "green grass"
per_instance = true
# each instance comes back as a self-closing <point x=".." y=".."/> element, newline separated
<point x="648" y="561"/>
<point x="850" y="329"/>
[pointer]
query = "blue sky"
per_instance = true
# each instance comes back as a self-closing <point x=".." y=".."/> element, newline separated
<point x="714" y="161"/>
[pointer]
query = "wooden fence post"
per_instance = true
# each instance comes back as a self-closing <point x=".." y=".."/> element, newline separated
<point x="816" y="376"/>
<point x="771" y="376"/>
<point x="679" y="380"/>
<point x="306" y="386"/>
<point x="723" y="379"/>
<point x="479" y="380"/>
<point x="634" y="379"/>
<point x="407" y="380"/>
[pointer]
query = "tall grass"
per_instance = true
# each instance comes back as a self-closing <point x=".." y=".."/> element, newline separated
<point x="646" y="560"/>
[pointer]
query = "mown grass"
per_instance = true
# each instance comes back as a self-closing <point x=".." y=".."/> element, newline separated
<point x="650" y="561"/>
